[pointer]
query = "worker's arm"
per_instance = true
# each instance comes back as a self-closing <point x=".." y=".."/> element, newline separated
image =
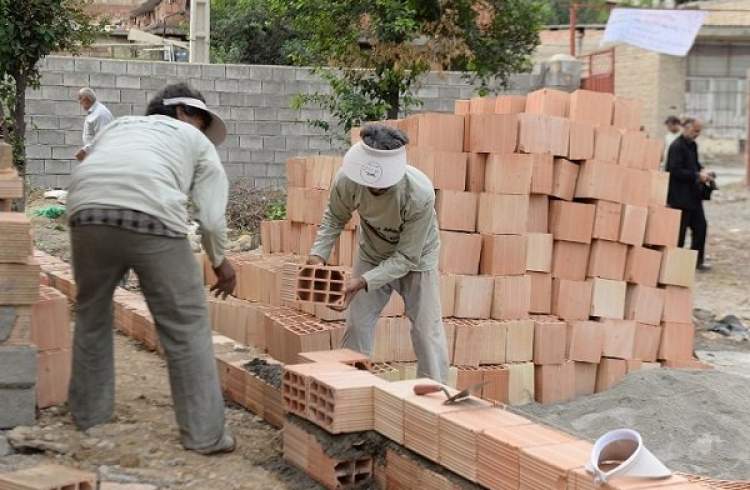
<point x="210" y="193"/>
<point x="337" y="215"/>
<point x="677" y="164"/>
<point x="408" y="251"/>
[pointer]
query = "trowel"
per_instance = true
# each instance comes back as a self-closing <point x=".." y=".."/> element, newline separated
<point x="458" y="397"/>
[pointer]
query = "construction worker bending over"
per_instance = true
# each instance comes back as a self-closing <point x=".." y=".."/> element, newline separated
<point x="398" y="245"/>
<point x="128" y="210"/>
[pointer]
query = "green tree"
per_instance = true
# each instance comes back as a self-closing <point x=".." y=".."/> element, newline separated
<point x="589" y="12"/>
<point x="30" y="30"/>
<point x="373" y="53"/>
<point x="246" y="31"/>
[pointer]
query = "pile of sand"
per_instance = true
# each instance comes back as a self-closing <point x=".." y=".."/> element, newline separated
<point x="694" y="421"/>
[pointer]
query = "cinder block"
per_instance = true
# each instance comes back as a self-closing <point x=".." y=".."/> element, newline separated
<point x="607" y="221"/>
<point x="678" y="267"/>
<point x="462" y="107"/>
<point x="456" y="210"/>
<point x="519" y="345"/>
<point x="570" y="260"/>
<point x="50" y="320"/>
<point x="548" y="102"/>
<point x="585" y="341"/>
<point x="610" y="373"/>
<point x="564" y="178"/>
<point x="554" y="383"/>
<point x="492" y="133"/>
<point x="504" y="255"/>
<point x="447" y="294"/>
<point x="642" y="266"/>
<point x="573" y="222"/>
<point x="662" y="227"/>
<point x="644" y="304"/>
<point x="17" y="407"/>
<point x="633" y="225"/>
<point x="538" y="214"/>
<point x="678" y="305"/>
<point x="581" y="145"/>
<point x="460" y="252"/>
<point x="482" y="105"/>
<point x="508" y="174"/>
<point x="54" y="367"/>
<point x="607" y="144"/>
<point x="511" y="298"/>
<point x="594" y="107"/>
<point x="473" y="296"/>
<point x="18" y="365"/>
<point x="619" y="338"/>
<point x="520" y="383"/>
<point x="571" y="300"/>
<point x="538" y="252"/>
<point x="542" y="173"/>
<point x="632" y="149"/>
<point x="608" y="298"/>
<point x="541" y="292"/>
<point x="502" y="214"/>
<point x="475" y="172"/>
<point x="627" y="113"/>
<point x="599" y="180"/>
<point x="549" y="341"/>
<point x="607" y="260"/>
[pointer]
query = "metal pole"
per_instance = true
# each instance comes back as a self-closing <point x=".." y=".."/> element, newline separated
<point x="573" y="19"/>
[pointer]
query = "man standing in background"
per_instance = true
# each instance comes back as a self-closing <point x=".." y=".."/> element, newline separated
<point x="98" y="117"/>
<point x="687" y="180"/>
<point x="674" y="129"/>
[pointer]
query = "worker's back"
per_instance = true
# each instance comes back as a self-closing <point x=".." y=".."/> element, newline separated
<point x="145" y="163"/>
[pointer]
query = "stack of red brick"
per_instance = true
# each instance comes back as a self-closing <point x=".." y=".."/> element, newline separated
<point x="557" y="245"/>
<point x="479" y="442"/>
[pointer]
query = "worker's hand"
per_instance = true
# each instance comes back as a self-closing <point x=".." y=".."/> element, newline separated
<point x="704" y="177"/>
<point x="226" y="280"/>
<point x="80" y="155"/>
<point x="315" y="260"/>
<point x="351" y="288"/>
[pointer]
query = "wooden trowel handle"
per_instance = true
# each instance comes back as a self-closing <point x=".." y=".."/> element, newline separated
<point x="426" y="389"/>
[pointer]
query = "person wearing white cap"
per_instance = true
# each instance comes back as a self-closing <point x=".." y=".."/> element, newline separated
<point x="128" y="208"/>
<point x="398" y="245"/>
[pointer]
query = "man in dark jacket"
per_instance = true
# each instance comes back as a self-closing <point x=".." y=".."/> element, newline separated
<point x="686" y="181"/>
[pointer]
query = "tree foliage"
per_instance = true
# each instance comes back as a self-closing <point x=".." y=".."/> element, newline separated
<point x="30" y="30"/>
<point x="246" y="31"/>
<point x="373" y="53"/>
<point x="589" y="12"/>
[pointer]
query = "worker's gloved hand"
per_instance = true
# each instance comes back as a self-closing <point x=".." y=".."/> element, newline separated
<point x="80" y="155"/>
<point x="351" y="288"/>
<point x="226" y="280"/>
<point x="315" y="260"/>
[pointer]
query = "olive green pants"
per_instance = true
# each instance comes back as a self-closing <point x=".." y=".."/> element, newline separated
<point x="172" y="284"/>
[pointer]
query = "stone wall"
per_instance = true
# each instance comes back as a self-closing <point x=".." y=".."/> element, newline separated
<point x="254" y="100"/>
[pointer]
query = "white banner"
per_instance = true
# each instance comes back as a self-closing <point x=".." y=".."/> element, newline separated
<point x="664" y="31"/>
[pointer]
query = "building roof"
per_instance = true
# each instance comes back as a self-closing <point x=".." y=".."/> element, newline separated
<point x="146" y="6"/>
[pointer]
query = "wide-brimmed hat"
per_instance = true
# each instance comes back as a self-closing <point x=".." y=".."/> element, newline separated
<point x="216" y="130"/>
<point x="374" y="168"/>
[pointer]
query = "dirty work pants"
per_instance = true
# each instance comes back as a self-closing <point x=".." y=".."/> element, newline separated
<point x="421" y="293"/>
<point x="171" y="282"/>
<point x="695" y="219"/>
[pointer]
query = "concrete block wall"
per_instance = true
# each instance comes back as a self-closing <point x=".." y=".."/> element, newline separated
<point x="254" y="100"/>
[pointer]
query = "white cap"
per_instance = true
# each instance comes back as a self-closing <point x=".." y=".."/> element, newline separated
<point x="625" y="448"/>
<point x="374" y="168"/>
<point x="217" y="130"/>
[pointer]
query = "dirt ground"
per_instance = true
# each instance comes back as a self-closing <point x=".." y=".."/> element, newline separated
<point x="142" y="445"/>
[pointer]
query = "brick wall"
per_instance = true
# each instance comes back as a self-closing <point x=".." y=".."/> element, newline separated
<point x="657" y="80"/>
<point x="254" y="100"/>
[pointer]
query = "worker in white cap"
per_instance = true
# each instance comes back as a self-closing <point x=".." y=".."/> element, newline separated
<point x="128" y="208"/>
<point x="398" y="245"/>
